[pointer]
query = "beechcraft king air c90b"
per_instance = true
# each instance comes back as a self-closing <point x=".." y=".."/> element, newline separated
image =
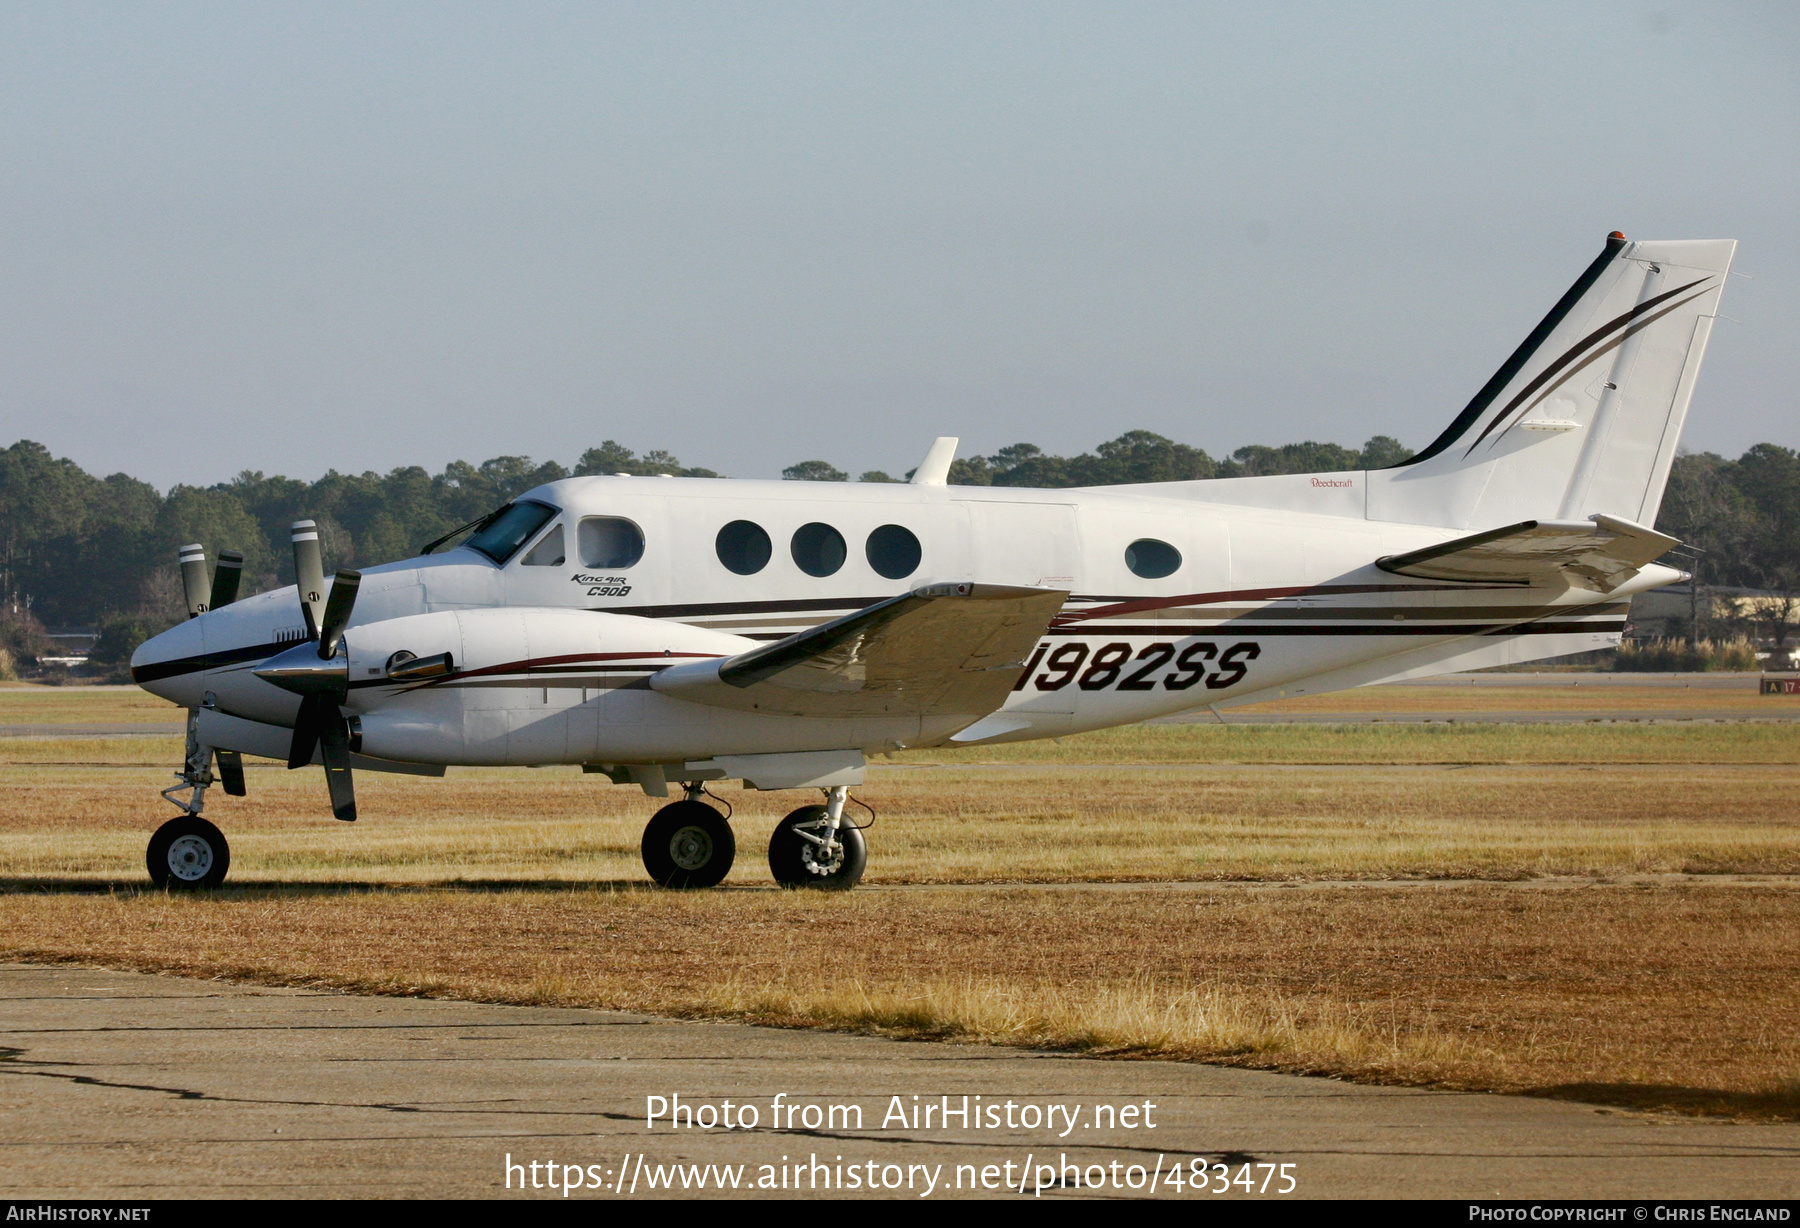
<point x="670" y="632"/>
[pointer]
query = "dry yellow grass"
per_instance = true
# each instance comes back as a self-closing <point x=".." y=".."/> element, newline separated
<point x="951" y="824"/>
<point x="1135" y="1017"/>
<point x="1674" y="998"/>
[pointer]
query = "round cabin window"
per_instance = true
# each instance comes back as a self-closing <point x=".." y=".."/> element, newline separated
<point x="819" y="549"/>
<point x="893" y="552"/>
<point x="1152" y="559"/>
<point x="744" y="547"/>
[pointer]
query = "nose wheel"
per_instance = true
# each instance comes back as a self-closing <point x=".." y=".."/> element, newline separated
<point x="188" y="854"/>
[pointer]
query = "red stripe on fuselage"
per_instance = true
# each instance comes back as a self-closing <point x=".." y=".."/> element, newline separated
<point x="531" y="664"/>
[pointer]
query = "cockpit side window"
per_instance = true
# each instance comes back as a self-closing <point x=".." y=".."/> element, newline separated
<point x="501" y="538"/>
<point x="548" y="552"/>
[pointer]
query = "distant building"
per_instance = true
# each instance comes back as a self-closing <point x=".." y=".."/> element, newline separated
<point x="69" y="648"/>
<point x="1667" y="613"/>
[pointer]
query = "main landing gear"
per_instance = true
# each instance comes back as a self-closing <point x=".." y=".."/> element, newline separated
<point x="814" y="847"/>
<point x="690" y="844"/>
<point x="187" y="853"/>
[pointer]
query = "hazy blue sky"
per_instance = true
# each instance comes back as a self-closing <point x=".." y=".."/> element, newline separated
<point x="291" y="237"/>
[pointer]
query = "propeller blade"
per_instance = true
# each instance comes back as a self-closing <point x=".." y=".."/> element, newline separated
<point x="319" y="727"/>
<point x="309" y="573"/>
<point x="334" y="743"/>
<point x="225" y="579"/>
<point x="193" y="578"/>
<point x="337" y="612"/>
<point x="312" y="715"/>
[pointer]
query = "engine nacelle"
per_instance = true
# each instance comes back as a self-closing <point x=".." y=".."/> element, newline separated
<point x="524" y="685"/>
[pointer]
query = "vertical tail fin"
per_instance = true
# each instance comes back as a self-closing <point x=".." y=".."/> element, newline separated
<point x="1584" y="417"/>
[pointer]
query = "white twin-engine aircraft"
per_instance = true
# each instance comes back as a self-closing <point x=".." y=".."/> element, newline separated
<point x="671" y="632"/>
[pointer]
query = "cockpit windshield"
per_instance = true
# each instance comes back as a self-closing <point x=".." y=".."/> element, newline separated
<point x="510" y="528"/>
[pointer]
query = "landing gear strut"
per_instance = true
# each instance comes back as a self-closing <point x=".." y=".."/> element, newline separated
<point x="814" y="847"/>
<point x="688" y="844"/>
<point x="187" y="852"/>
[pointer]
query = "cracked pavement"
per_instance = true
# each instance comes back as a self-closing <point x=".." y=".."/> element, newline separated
<point x="124" y="1085"/>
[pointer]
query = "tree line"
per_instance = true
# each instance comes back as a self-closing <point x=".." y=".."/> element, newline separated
<point x="1135" y="456"/>
<point x="1740" y="520"/>
<point x="84" y="552"/>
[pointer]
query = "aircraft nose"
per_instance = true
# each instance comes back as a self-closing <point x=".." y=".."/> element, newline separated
<point x="173" y="664"/>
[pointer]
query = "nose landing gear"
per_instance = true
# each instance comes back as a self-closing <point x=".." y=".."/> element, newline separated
<point x="187" y="852"/>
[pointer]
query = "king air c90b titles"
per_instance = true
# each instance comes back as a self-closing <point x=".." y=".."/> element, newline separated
<point x="674" y="631"/>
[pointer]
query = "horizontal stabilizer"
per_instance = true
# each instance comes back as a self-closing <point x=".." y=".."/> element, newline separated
<point x="1597" y="554"/>
<point x="944" y="650"/>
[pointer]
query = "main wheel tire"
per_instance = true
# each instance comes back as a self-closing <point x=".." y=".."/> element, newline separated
<point x="188" y="854"/>
<point x="688" y="844"/>
<point x="796" y="861"/>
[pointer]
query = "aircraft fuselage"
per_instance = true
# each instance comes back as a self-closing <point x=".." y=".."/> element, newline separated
<point x="557" y="647"/>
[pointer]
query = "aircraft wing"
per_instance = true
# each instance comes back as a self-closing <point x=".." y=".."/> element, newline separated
<point x="1598" y="554"/>
<point x="947" y="649"/>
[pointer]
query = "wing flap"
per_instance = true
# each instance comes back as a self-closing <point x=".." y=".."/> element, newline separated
<point x="944" y="650"/>
<point x="1598" y="554"/>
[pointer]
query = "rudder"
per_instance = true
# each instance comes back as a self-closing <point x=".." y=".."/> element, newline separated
<point x="1585" y="415"/>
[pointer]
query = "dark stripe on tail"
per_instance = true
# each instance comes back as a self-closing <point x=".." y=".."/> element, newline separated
<point x="1512" y="366"/>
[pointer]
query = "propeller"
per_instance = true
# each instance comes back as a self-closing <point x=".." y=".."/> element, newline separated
<point x="224" y="591"/>
<point x="225" y="579"/>
<point x="317" y="673"/>
<point x="337" y="612"/>
<point x="309" y="573"/>
<point x="193" y="578"/>
<point x="224" y="587"/>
